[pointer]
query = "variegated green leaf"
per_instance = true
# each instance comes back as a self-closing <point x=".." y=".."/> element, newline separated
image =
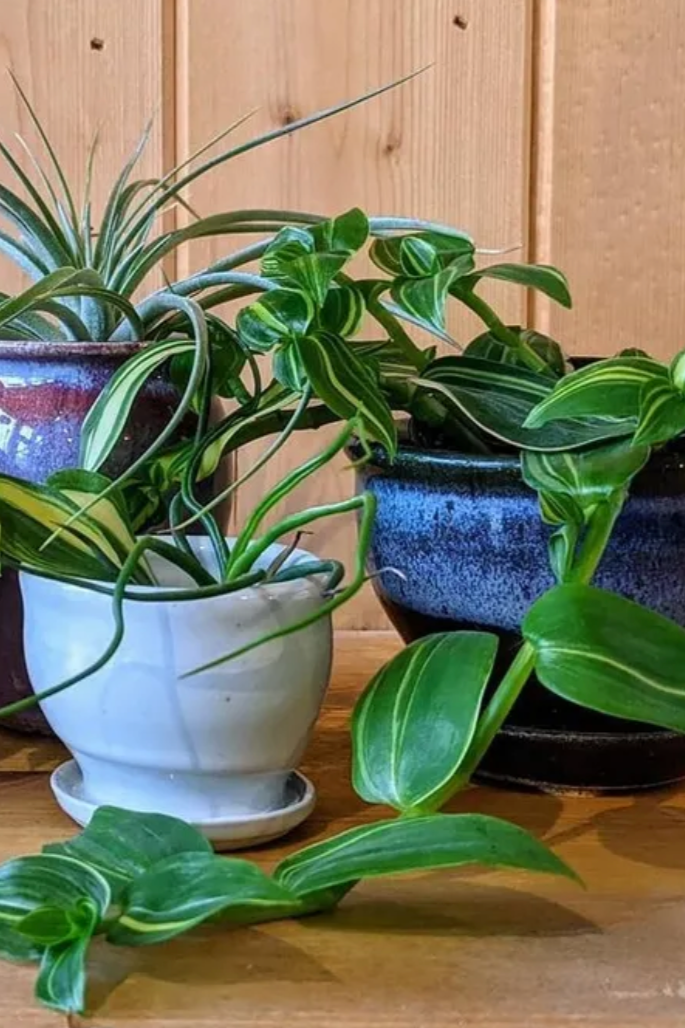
<point x="61" y="982"/>
<point x="589" y="477"/>
<point x="277" y="316"/>
<point x="662" y="413"/>
<point x="313" y="274"/>
<point x="488" y="347"/>
<point x="415" y="844"/>
<point x="427" y="696"/>
<point x="31" y="513"/>
<point x="498" y="398"/>
<point x="182" y="891"/>
<point x="343" y="311"/>
<point x="677" y="371"/>
<point x="420" y="255"/>
<point x="345" y="234"/>
<point x="109" y="513"/>
<point x="541" y="277"/>
<point x="107" y="417"/>
<point x="424" y="298"/>
<point x="121" y="845"/>
<point x="609" y="388"/>
<point x="287" y="368"/>
<point x="609" y="654"/>
<point x="342" y="382"/>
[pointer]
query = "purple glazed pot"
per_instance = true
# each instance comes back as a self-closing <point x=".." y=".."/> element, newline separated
<point x="46" y="390"/>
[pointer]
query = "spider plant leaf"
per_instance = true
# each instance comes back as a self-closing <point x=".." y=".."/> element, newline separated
<point x="341" y="381"/>
<point x="428" y="695"/>
<point x="109" y="513"/>
<point x="542" y="277"/>
<point x="44" y="289"/>
<point x="107" y="417"/>
<point x="41" y="206"/>
<point x="30" y="513"/>
<point x="415" y="844"/>
<point x="61" y="177"/>
<point x="284" y="130"/>
<point x="498" y="398"/>
<point x="608" y="388"/>
<point x="118" y="200"/>
<point x="36" y="235"/>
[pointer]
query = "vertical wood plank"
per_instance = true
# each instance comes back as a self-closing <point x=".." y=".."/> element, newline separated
<point x="452" y="145"/>
<point x="610" y="170"/>
<point x="89" y="65"/>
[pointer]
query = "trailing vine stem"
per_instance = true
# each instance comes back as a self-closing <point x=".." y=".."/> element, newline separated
<point x="515" y="679"/>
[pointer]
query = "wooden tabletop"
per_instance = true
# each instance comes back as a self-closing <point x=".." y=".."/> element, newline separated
<point x="482" y="948"/>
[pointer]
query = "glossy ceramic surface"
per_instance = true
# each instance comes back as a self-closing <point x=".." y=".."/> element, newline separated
<point x="217" y="745"/>
<point x="46" y="390"/>
<point x="230" y="833"/>
<point x="466" y="533"/>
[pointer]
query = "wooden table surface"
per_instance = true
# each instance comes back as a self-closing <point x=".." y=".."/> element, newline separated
<point x="482" y="948"/>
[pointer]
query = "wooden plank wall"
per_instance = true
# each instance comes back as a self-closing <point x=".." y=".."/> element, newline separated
<point x="551" y="125"/>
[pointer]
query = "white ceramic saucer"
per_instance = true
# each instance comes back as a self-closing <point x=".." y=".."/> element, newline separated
<point x="224" y="833"/>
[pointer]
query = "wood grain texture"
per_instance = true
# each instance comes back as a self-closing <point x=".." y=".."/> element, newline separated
<point x="89" y="65"/>
<point x="451" y="949"/>
<point x="610" y="196"/>
<point x="452" y="145"/>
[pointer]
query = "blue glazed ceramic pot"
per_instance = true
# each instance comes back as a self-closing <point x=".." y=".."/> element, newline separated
<point x="466" y="532"/>
<point x="46" y="390"/>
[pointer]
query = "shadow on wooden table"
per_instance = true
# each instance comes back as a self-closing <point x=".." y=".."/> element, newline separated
<point x="648" y="828"/>
<point x="476" y="910"/>
<point x="213" y="957"/>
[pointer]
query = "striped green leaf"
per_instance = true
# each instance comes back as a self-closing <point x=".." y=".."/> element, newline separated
<point x="346" y="234"/>
<point x="424" y="299"/>
<point x="541" y="277"/>
<point x="287" y="368"/>
<point x="48" y="925"/>
<point x="488" y="347"/>
<point x="609" y="654"/>
<point x="662" y="413"/>
<point x="589" y="477"/>
<point x="107" y="417"/>
<point x="31" y="883"/>
<point x="572" y="487"/>
<point x="421" y="254"/>
<point x="498" y="398"/>
<point x="343" y="311"/>
<point x="677" y="371"/>
<point x="61" y="982"/>
<point x="122" y="845"/>
<point x="344" y="384"/>
<point x="182" y="891"/>
<point x="277" y="316"/>
<point x="31" y="513"/>
<point x="429" y="695"/>
<point x="609" y="388"/>
<point x="109" y="513"/>
<point x="415" y="844"/>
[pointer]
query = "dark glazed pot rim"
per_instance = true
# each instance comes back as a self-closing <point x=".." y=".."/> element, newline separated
<point x="664" y="473"/>
<point x="20" y="349"/>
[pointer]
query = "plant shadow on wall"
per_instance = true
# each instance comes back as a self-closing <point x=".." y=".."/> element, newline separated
<point x="136" y="879"/>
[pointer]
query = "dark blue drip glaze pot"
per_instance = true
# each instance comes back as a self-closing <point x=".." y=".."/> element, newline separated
<point x="466" y="533"/>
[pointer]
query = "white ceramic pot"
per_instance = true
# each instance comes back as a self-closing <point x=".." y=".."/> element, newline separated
<point x="220" y="744"/>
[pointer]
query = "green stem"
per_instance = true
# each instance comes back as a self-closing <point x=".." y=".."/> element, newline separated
<point x="511" y="686"/>
<point x="506" y="335"/>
